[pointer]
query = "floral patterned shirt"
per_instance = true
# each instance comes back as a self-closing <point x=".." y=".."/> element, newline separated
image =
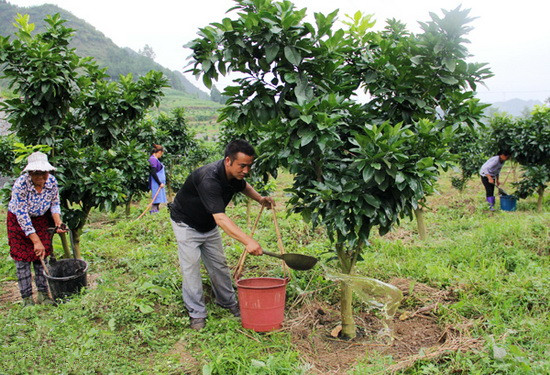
<point x="26" y="202"/>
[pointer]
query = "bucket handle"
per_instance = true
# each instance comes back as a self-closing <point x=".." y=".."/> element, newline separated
<point x="240" y="265"/>
<point x="237" y="274"/>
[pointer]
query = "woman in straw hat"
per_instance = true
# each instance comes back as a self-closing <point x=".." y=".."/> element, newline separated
<point x="34" y="206"/>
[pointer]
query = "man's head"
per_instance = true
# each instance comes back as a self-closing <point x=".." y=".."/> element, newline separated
<point x="239" y="145"/>
<point x="239" y="157"/>
<point x="504" y="155"/>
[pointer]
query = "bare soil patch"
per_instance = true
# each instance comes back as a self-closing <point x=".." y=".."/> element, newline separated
<point x="401" y="234"/>
<point x="189" y="363"/>
<point x="416" y="332"/>
<point x="9" y="291"/>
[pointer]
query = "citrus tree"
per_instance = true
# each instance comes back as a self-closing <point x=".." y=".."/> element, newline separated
<point x="469" y="145"/>
<point x="67" y="102"/>
<point x="355" y="166"/>
<point x="184" y="151"/>
<point x="7" y="157"/>
<point x="422" y="76"/>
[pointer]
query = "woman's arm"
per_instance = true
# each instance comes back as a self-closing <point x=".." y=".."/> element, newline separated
<point x="153" y="172"/>
<point x="19" y="205"/>
<point x="39" y="248"/>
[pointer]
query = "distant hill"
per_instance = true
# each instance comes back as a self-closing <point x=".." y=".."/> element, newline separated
<point x="90" y="42"/>
<point x="514" y="107"/>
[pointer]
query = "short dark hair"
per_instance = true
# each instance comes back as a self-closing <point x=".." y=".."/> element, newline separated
<point x="504" y="152"/>
<point x="236" y="146"/>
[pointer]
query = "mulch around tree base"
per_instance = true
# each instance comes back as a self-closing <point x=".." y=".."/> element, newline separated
<point x="415" y="330"/>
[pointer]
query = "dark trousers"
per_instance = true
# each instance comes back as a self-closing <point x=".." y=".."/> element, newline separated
<point x="489" y="187"/>
<point x="24" y="277"/>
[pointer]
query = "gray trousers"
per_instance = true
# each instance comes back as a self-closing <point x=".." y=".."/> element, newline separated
<point x="24" y="277"/>
<point x="192" y="247"/>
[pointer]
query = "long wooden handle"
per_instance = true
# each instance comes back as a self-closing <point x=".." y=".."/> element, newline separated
<point x="47" y="273"/>
<point x="44" y="266"/>
<point x="240" y="265"/>
<point x="150" y="204"/>
<point x="280" y="241"/>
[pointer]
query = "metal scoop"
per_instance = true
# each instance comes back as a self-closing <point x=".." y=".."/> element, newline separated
<point x="297" y="262"/>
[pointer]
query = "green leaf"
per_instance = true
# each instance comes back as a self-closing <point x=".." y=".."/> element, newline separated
<point x="293" y="55"/>
<point x="227" y="24"/>
<point x="144" y="307"/>
<point x="207" y="81"/>
<point x="368" y="173"/>
<point x="271" y="52"/>
<point x="370" y="77"/>
<point x="399" y="177"/>
<point x="416" y="60"/>
<point x="379" y="176"/>
<point x="449" y="63"/>
<point x="303" y="90"/>
<point x="448" y="80"/>
<point x="306" y="137"/>
<point x="372" y="200"/>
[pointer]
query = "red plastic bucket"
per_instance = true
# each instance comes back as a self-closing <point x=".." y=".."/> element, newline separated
<point x="262" y="302"/>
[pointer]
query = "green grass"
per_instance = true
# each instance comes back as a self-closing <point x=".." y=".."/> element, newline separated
<point x="132" y="320"/>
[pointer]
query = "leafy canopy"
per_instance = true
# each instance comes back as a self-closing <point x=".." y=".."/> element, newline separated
<point x="356" y="166"/>
<point x="67" y="102"/>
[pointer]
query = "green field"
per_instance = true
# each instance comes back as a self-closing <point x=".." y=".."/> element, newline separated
<point x="201" y="115"/>
<point x="476" y="300"/>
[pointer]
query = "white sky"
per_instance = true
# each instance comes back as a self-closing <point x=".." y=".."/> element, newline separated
<point x="512" y="36"/>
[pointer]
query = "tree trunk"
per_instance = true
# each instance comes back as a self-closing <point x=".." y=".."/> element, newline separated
<point x="76" y="244"/>
<point x="65" y="243"/>
<point x="419" y="213"/>
<point x="346" y="310"/>
<point x="347" y="264"/>
<point x="77" y="232"/>
<point x="541" y="196"/>
<point x="128" y="205"/>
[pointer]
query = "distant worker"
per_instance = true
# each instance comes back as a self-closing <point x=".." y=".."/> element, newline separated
<point x="33" y="208"/>
<point x="489" y="172"/>
<point x="157" y="178"/>
<point x="197" y="211"/>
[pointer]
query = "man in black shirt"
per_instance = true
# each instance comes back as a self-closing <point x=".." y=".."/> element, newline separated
<point x="197" y="210"/>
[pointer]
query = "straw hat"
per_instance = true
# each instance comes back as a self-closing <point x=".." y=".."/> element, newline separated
<point x="38" y="161"/>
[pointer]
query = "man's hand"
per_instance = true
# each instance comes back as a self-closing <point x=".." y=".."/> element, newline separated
<point x="254" y="248"/>
<point x="267" y="202"/>
<point x="251" y="245"/>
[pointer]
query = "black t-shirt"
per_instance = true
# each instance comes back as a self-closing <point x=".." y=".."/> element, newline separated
<point x="205" y="192"/>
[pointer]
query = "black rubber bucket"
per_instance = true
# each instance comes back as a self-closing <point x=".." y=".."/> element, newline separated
<point x="67" y="276"/>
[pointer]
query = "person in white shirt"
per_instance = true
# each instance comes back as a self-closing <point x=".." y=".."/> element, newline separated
<point x="489" y="172"/>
